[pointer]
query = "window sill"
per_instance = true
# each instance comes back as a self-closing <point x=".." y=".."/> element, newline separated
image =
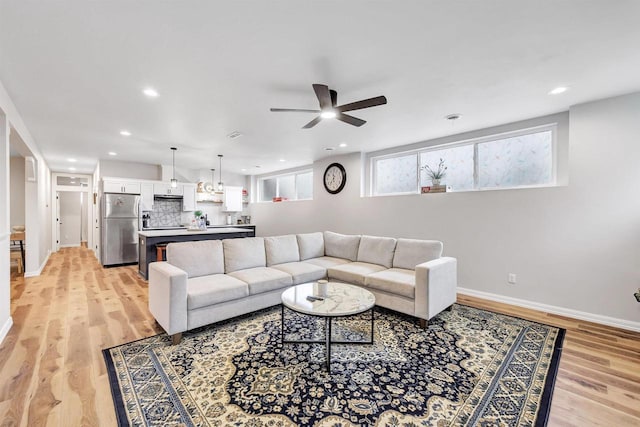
<point x="283" y="201"/>
<point x="474" y="190"/>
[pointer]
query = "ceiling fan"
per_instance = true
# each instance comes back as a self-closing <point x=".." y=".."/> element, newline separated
<point x="328" y="98"/>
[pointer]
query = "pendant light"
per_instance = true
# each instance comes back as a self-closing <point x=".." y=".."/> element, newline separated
<point x="220" y="184"/>
<point x="212" y="188"/>
<point x="174" y="181"/>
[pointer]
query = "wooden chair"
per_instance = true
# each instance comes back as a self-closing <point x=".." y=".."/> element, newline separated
<point x="17" y="257"/>
<point x="17" y="243"/>
<point x="161" y="250"/>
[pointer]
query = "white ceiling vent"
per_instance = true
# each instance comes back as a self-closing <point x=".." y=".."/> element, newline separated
<point x="235" y="134"/>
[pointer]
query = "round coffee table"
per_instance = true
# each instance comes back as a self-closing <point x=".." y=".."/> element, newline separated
<point x="340" y="300"/>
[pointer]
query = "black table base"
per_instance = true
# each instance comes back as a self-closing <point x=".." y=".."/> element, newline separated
<point x="327" y="341"/>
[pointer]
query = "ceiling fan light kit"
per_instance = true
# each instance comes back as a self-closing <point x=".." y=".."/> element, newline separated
<point x="328" y="100"/>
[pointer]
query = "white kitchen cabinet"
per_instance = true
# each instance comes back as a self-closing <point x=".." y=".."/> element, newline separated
<point x="146" y="196"/>
<point x="189" y="197"/>
<point x="126" y="187"/>
<point x="165" y="189"/>
<point x="232" y="199"/>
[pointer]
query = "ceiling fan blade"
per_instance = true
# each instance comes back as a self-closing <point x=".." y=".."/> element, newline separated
<point x="334" y="98"/>
<point x="312" y="123"/>
<point x="350" y="119"/>
<point x="294" y="110"/>
<point x="365" y="103"/>
<point x="322" y="92"/>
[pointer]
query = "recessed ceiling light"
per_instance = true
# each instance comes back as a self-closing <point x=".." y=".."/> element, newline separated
<point x="454" y="116"/>
<point x="282" y="160"/>
<point x="558" y="90"/>
<point x="329" y="114"/>
<point x="73" y="177"/>
<point x="125" y="133"/>
<point x="150" y="92"/>
<point x="113" y="153"/>
<point x="243" y="169"/>
<point x="343" y="145"/>
<point x="73" y="182"/>
<point x="72" y="169"/>
<point x="71" y="160"/>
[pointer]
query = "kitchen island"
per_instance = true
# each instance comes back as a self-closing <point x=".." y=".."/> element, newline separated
<point x="148" y="239"/>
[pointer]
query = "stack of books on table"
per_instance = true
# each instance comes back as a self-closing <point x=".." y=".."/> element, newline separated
<point x="436" y="189"/>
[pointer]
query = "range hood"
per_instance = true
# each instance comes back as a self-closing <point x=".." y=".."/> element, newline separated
<point x="167" y="196"/>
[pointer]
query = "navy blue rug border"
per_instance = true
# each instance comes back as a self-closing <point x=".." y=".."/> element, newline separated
<point x="550" y="383"/>
<point x="541" y="420"/>
<point x="116" y="395"/>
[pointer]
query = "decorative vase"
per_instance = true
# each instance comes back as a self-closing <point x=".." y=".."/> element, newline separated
<point x="435" y="181"/>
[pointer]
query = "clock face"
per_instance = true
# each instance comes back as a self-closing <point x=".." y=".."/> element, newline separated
<point x="335" y="178"/>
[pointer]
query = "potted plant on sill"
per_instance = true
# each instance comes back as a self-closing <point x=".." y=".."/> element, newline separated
<point x="437" y="174"/>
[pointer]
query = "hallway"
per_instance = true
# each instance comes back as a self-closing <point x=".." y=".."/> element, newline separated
<point x="51" y="366"/>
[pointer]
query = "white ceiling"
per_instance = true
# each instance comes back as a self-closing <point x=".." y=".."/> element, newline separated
<point x="76" y="69"/>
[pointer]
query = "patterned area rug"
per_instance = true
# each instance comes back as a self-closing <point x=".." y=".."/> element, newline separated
<point x="471" y="367"/>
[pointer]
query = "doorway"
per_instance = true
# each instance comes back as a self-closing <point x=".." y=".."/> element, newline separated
<point x="72" y="220"/>
<point x="73" y="215"/>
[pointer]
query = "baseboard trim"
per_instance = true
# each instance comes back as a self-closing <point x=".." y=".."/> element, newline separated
<point x="39" y="270"/>
<point x="5" y="329"/>
<point x="71" y="245"/>
<point x="562" y="311"/>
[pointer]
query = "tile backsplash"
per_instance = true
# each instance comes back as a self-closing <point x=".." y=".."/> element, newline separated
<point x="165" y="213"/>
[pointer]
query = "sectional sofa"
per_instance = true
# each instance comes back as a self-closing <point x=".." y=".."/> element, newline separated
<point x="207" y="281"/>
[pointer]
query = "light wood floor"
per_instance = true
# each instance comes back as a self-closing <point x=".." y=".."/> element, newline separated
<point x="52" y="371"/>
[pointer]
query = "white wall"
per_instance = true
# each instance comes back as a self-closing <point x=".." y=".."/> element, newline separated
<point x="5" y="292"/>
<point x="37" y="196"/>
<point x="575" y="246"/>
<point x="16" y="187"/>
<point x="119" y="169"/>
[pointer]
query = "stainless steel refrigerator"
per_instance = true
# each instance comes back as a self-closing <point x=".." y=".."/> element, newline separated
<point x="119" y="229"/>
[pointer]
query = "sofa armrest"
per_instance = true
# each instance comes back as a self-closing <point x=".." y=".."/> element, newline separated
<point x="436" y="283"/>
<point x="168" y="296"/>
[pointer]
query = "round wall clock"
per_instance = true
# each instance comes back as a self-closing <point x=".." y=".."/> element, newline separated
<point x="335" y="178"/>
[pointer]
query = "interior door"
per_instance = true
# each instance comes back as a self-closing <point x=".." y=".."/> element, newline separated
<point x="70" y="218"/>
<point x="57" y="221"/>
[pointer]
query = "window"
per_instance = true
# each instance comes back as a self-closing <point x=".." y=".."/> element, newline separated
<point x="517" y="159"/>
<point x="396" y="175"/>
<point x="293" y="186"/>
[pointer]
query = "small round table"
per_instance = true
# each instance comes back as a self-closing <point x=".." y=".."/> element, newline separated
<point x="340" y="300"/>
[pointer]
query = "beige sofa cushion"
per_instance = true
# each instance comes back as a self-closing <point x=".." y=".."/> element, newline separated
<point x="214" y="289"/>
<point x="377" y="250"/>
<point x="327" y="261"/>
<point x="398" y="281"/>
<point x="197" y="258"/>
<point x="302" y="272"/>
<point x="311" y="245"/>
<point x="240" y="254"/>
<point x="411" y="252"/>
<point x="353" y="272"/>
<point x="341" y="246"/>
<point x="281" y="249"/>
<point x="263" y="279"/>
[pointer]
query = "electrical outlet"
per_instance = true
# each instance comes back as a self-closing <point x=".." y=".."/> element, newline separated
<point x="512" y="278"/>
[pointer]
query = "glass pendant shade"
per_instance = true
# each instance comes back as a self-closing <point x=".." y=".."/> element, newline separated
<point x="174" y="181"/>
<point x="220" y="184"/>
